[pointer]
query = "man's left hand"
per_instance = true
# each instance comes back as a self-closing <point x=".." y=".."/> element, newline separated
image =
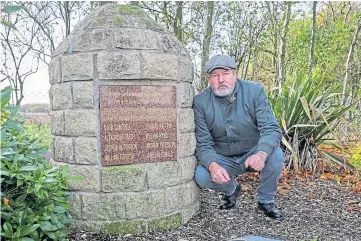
<point x="256" y="161"/>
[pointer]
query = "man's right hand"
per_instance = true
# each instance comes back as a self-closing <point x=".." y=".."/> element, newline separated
<point x="219" y="174"/>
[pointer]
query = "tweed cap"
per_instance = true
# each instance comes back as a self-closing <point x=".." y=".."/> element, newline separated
<point x="220" y="61"/>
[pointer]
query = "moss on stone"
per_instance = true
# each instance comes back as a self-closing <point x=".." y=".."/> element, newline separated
<point x="125" y="9"/>
<point x="128" y="9"/>
<point x="117" y="20"/>
<point x="100" y="21"/>
<point x="126" y="227"/>
<point x="169" y="222"/>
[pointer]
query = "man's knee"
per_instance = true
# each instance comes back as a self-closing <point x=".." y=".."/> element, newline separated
<point x="276" y="159"/>
<point x="203" y="177"/>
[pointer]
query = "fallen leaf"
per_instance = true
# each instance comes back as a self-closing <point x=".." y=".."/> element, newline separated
<point x="282" y="191"/>
<point x="288" y="186"/>
<point x="311" y="196"/>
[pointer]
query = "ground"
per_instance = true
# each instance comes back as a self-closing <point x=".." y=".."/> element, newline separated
<point x="313" y="209"/>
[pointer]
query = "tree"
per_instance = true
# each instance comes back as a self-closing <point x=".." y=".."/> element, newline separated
<point x="346" y="100"/>
<point x="243" y="23"/>
<point x="177" y="26"/>
<point x="349" y="61"/>
<point x="282" y="52"/>
<point x="15" y="54"/>
<point x="208" y="29"/>
<point x="39" y="25"/>
<point x="312" y="45"/>
<point x="185" y="20"/>
<point x="273" y="15"/>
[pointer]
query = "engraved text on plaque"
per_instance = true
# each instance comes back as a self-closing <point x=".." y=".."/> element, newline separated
<point x="138" y="124"/>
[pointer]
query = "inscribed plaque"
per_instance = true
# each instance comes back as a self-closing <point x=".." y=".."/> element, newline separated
<point x="138" y="124"/>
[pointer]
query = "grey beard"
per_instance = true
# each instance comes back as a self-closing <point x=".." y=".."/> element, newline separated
<point x="224" y="93"/>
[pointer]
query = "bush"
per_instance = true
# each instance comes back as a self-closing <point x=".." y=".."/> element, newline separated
<point x="307" y="111"/>
<point x="41" y="132"/>
<point x="356" y="156"/>
<point x="33" y="193"/>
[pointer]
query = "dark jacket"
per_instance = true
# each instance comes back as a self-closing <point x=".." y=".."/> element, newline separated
<point x="234" y="126"/>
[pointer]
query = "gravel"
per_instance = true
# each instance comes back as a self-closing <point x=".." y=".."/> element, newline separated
<point x="312" y="209"/>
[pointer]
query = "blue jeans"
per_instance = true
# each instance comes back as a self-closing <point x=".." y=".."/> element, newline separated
<point x="269" y="177"/>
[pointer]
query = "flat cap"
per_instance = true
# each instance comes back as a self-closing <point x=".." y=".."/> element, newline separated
<point x="220" y="61"/>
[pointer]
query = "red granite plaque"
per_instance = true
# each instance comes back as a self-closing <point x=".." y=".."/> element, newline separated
<point x="138" y="124"/>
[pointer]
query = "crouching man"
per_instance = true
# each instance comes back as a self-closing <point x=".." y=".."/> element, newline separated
<point x="236" y="132"/>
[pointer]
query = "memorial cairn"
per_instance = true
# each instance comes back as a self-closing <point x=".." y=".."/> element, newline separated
<point x="121" y="99"/>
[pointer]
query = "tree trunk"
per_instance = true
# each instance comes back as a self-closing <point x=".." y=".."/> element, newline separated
<point x="347" y="13"/>
<point x="177" y="25"/>
<point x="274" y="27"/>
<point x="206" y="43"/>
<point x="345" y="98"/>
<point x="282" y="53"/>
<point x="255" y="70"/>
<point x="312" y="45"/>
<point x="349" y="61"/>
<point x="67" y="18"/>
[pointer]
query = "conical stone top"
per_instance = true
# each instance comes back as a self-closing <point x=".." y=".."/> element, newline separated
<point x="119" y="26"/>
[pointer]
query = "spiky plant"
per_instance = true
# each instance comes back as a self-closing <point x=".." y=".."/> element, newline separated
<point x="308" y="112"/>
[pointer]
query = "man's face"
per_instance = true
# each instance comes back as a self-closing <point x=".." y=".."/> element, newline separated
<point x="222" y="81"/>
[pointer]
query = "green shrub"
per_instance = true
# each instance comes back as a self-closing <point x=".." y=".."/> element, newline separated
<point x="307" y="111"/>
<point x="41" y="132"/>
<point x="356" y="156"/>
<point x="34" y="196"/>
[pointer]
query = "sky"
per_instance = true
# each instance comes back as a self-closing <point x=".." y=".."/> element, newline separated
<point x="36" y="87"/>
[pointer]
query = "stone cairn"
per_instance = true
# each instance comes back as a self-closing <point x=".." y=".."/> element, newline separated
<point x="121" y="99"/>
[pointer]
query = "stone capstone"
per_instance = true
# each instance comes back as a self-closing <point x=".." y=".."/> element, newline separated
<point x="118" y="65"/>
<point x="160" y="66"/>
<point x="128" y="38"/>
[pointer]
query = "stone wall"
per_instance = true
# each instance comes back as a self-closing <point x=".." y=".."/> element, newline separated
<point x="121" y="45"/>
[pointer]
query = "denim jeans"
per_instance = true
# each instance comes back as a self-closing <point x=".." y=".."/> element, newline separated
<point x="269" y="177"/>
